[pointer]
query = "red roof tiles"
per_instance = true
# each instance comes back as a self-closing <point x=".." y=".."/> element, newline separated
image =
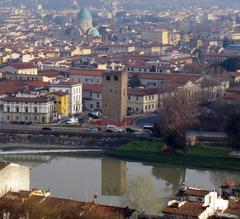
<point x="189" y="208"/>
<point x="22" y="65"/>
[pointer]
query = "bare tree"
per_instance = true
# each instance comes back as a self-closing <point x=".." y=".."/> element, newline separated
<point x="177" y="115"/>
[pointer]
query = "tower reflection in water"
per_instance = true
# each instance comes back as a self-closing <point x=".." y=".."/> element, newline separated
<point x="114" y="181"/>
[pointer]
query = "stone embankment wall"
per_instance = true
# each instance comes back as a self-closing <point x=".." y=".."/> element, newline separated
<point x="90" y="141"/>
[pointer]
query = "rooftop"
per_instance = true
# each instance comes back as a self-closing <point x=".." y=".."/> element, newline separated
<point x="26" y="99"/>
<point x="193" y="192"/>
<point x="22" y="65"/>
<point x="3" y="165"/>
<point x="189" y="208"/>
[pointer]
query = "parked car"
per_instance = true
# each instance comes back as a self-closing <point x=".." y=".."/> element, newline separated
<point x="113" y="128"/>
<point x="90" y="129"/>
<point x="72" y="121"/>
<point x="47" y="129"/>
<point x="130" y="130"/>
<point x="95" y="114"/>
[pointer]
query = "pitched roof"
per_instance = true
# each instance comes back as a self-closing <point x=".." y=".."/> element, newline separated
<point x="193" y="192"/>
<point x="189" y="208"/>
<point x="22" y="65"/>
<point x="3" y="165"/>
<point x="14" y="86"/>
<point x="97" y="88"/>
<point x="87" y="72"/>
<point x="26" y="99"/>
<point x="234" y="208"/>
<point x="149" y="91"/>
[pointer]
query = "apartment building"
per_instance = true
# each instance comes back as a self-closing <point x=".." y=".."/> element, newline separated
<point x="27" y="108"/>
<point x="74" y="90"/>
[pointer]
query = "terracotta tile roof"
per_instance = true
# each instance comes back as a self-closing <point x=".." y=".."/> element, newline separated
<point x="49" y="73"/>
<point x="234" y="208"/>
<point x="230" y="184"/>
<point x="97" y="88"/>
<point x="193" y="192"/>
<point x="62" y="84"/>
<point x="83" y="209"/>
<point x="3" y="165"/>
<point x="189" y="208"/>
<point x="22" y="65"/>
<point x="167" y="78"/>
<point x="26" y="99"/>
<point x="87" y="72"/>
<point x="14" y="86"/>
<point x="149" y="91"/>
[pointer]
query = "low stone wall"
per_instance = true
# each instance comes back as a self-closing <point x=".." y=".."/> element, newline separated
<point x="78" y="141"/>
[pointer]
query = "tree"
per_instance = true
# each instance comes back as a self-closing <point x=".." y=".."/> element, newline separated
<point x="134" y="82"/>
<point x="143" y="195"/>
<point x="232" y="129"/>
<point x="231" y="64"/>
<point x="177" y="115"/>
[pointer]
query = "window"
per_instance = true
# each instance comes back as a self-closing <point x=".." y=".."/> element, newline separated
<point x="17" y="109"/>
<point x="108" y="78"/>
<point x="26" y="110"/>
<point x="115" y="78"/>
<point x="35" y="110"/>
<point x="129" y="97"/>
<point x="8" y="109"/>
<point x="137" y="98"/>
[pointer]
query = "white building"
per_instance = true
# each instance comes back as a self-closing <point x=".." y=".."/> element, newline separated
<point x="75" y="94"/>
<point x="86" y="76"/>
<point x="21" y="68"/>
<point x="27" y="108"/>
<point x="195" y="203"/>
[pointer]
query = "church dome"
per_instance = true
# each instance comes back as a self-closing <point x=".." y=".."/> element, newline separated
<point x="85" y="14"/>
<point x="93" y="32"/>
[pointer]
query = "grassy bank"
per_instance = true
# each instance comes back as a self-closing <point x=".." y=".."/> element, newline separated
<point x="201" y="156"/>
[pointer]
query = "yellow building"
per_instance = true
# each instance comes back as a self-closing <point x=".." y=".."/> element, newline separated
<point x="165" y="37"/>
<point x="61" y="103"/>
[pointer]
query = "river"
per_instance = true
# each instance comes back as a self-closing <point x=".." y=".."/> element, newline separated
<point x="143" y="186"/>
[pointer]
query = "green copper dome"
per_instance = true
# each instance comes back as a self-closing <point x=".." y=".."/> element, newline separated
<point x="85" y="14"/>
<point x="93" y="32"/>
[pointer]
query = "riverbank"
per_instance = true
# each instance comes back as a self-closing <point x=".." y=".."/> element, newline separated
<point x="200" y="156"/>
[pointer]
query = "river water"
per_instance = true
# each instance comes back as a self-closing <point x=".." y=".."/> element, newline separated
<point x="143" y="186"/>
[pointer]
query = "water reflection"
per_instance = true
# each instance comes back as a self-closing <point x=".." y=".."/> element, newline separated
<point x="173" y="179"/>
<point x="146" y="187"/>
<point x="114" y="181"/>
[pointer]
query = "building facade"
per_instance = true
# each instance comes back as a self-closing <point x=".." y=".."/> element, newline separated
<point x="61" y="104"/>
<point x="74" y="90"/>
<point x="27" y="108"/>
